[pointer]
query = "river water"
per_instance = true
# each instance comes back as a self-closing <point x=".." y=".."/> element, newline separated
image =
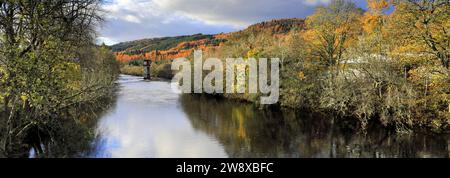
<point x="150" y="120"/>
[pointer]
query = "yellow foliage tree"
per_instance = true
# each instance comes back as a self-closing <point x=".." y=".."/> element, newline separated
<point x="375" y="15"/>
<point x="423" y="25"/>
<point x="332" y="29"/>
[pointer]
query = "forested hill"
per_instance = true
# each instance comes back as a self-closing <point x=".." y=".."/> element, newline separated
<point x="182" y="46"/>
<point x="164" y="43"/>
<point x="278" y="26"/>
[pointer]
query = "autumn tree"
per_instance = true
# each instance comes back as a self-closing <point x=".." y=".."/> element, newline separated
<point x="332" y="28"/>
<point x="420" y="31"/>
<point x="426" y="24"/>
<point x="374" y="22"/>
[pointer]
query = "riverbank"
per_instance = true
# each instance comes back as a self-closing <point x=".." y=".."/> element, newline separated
<point x="352" y="122"/>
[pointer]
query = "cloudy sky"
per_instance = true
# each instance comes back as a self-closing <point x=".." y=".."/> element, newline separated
<point x="136" y="19"/>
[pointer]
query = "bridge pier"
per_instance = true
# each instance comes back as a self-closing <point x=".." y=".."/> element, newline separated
<point x="147" y="69"/>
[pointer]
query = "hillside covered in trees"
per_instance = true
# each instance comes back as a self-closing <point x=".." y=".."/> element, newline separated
<point x="167" y="48"/>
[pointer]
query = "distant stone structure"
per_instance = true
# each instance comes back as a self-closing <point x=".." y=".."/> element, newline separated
<point x="147" y="69"/>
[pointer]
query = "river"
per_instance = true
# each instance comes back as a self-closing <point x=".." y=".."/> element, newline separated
<point x="150" y="120"/>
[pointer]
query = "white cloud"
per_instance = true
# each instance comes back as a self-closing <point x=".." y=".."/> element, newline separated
<point x="105" y="40"/>
<point x="131" y="18"/>
<point x="238" y="13"/>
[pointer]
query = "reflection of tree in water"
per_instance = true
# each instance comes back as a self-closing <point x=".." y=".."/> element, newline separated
<point x="248" y="132"/>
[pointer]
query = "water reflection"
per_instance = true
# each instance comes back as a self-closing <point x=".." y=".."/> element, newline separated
<point x="247" y="132"/>
<point x="149" y="120"/>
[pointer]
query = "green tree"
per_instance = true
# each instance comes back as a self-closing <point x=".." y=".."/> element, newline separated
<point x="41" y="72"/>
